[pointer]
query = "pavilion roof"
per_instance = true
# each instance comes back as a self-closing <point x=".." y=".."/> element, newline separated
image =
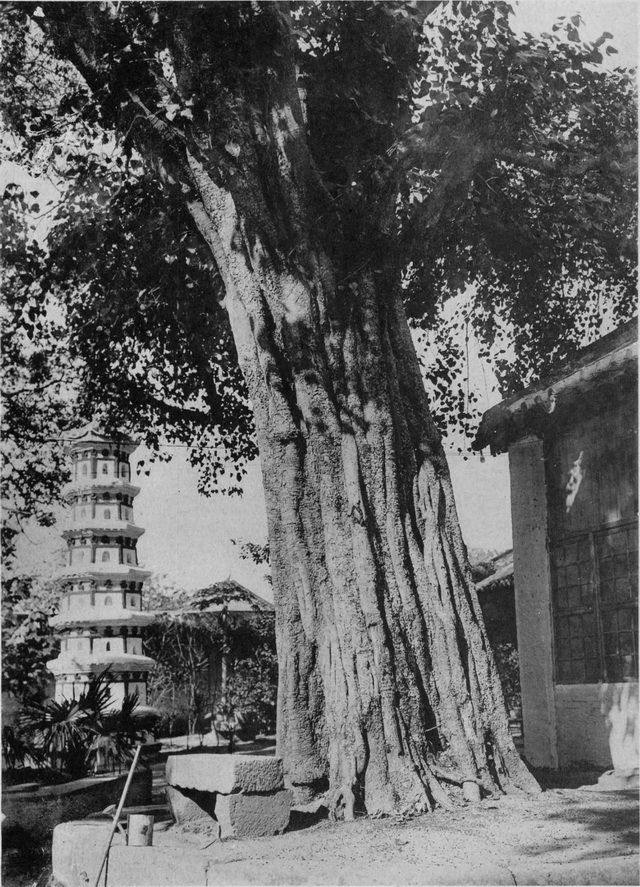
<point x="229" y="596"/>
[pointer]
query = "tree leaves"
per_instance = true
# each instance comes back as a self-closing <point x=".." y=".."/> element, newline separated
<point x="27" y="640"/>
<point x="38" y="379"/>
<point x="448" y="153"/>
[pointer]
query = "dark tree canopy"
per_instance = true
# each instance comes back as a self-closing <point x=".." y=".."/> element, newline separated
<point x="258" y="200"/>
<point x="512" y="161"/>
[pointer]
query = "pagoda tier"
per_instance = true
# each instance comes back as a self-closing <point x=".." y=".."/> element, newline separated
<point x="101" y="573"/>
<point x="118" y="489"/>
<point x="100" y="619"/>
<point x="97" y="660"/>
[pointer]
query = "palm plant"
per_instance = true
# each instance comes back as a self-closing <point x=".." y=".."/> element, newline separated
<point x="76" y="733"/>
<point x="60" y="732"/>
<point x="115" y="735"/>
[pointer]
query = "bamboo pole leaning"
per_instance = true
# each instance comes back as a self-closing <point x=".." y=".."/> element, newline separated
<point x="116" y="818"/>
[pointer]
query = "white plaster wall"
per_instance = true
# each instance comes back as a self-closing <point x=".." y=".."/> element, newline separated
<point x="68" y="690"/>
<point x="134" y="645"/>
<point x="78" y="645"/>
<point x="117" y="694"/>
<point x="79" y="602"/>
<point x="111" y="553"/>
<point x="116" y="645"/>
<point x="140" y="688"/>
<point x="114" y="595"/>
<point x="598" y="723"/>
<point x="533" y="600"/>
<point x="80" y="556"/>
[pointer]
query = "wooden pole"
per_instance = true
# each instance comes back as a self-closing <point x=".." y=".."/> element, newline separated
<point x="116" y="818"/>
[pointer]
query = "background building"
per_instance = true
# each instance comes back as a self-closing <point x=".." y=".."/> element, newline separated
<point x="573" y="457"/>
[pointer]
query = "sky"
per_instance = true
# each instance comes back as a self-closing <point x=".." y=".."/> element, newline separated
<point x="618" y="17"/>
<point x="188" y="538"/>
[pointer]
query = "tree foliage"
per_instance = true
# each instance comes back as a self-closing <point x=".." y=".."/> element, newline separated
<point x="37" y="378"/>
<point x="511" y="158"/>
<point x="27" y="640"/>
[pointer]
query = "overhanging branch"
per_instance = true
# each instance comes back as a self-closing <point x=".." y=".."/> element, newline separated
<point x="576" y="167"/>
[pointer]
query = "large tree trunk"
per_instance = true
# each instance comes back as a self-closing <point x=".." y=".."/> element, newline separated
<point x="388" y="688"/>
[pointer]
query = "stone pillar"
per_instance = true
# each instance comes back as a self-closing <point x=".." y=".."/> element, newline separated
<point x="533" y="600"/>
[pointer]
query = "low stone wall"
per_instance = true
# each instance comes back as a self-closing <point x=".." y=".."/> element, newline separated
<point x="36" y="813"/>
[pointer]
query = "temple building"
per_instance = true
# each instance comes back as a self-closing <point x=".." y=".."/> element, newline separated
<point x="101" y="620"/>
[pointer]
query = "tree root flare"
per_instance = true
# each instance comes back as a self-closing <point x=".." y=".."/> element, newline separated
<point x="341" y="803"/>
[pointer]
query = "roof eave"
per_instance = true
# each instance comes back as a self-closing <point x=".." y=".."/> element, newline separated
<point x="500" y="426"/>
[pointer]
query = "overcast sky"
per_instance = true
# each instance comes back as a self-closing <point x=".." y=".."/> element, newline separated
<point x="189" y="537"/>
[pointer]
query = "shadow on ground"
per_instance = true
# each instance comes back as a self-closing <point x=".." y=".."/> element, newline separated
<point x="569" y="777"/>
<point x="301" y="819"/>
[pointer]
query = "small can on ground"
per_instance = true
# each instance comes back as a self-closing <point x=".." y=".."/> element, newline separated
<point x="139" y="830"/>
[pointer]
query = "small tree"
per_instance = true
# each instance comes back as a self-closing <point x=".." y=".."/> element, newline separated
<point x="182" y="649"/>
<point x="251" y="686"/>
<point x="198" y="636"/>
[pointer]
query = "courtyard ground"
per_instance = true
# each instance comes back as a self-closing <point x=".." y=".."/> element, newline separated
<point x="566" y="835"/>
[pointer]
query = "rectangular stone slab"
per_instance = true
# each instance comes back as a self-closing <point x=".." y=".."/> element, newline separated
<point x="253" y="816"/>
<point x="225" y="773"/>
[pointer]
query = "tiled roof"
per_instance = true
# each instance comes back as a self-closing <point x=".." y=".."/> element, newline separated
<point x="502" y="575"/>
<point x="614" y="358"/>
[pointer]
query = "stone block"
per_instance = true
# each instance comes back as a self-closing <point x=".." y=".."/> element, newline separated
<point x="253" y="816"/>
<point x="191" y="807"/>
<point x="225" y="773"/>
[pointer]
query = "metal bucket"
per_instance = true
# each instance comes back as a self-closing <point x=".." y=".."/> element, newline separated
<point x="139" y="830"/>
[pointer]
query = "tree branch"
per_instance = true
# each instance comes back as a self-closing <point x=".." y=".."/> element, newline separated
<point x="579" y="167"/>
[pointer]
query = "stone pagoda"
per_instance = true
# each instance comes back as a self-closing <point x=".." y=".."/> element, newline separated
<point x="100" y="620"/>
